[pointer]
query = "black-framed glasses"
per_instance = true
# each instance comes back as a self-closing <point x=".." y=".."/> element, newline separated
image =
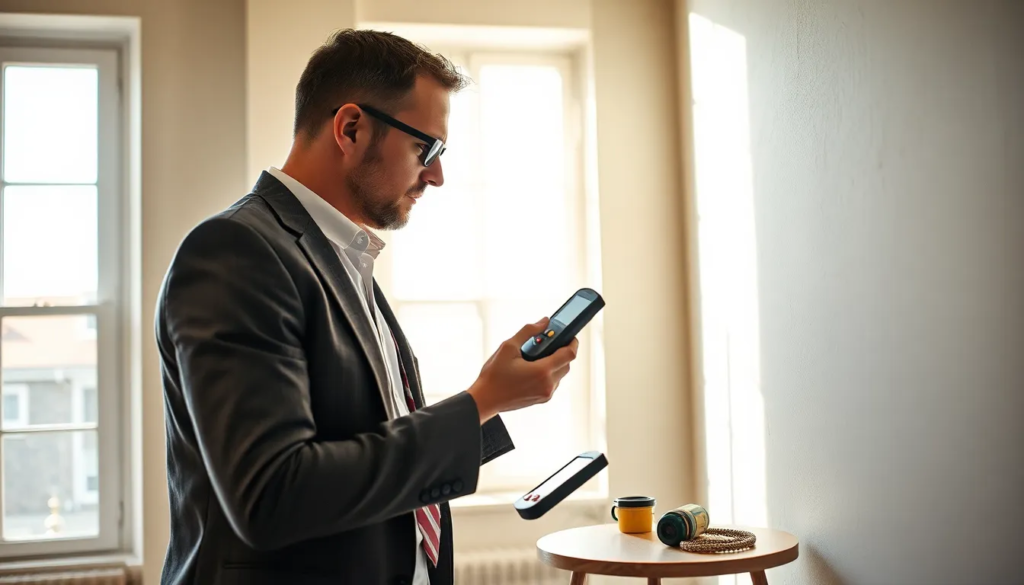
<point x="435" y="147"/>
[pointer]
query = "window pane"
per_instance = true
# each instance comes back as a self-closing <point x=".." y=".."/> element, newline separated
<point x="527" y="246"/>
<point x="437" y="255"/>
<point x="447" y="340"/>
<point x="15" y="407"/>
<point x="522" y="113"/>
<point x="506" y="318"/>
<point x="528" y="232"/>
<point x="461" y="157"/>
<point x="50" y="245"/>
<point x="50" y="124"/>
<point x="47" y="485"/>
<point x="545" y="435"/>
<point x="90" y="406"/>
<point x="45" y="363"/>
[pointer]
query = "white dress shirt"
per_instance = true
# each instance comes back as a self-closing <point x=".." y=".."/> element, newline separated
<point x="358" y="248"/>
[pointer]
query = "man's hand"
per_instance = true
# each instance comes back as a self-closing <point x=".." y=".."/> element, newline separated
<point x="508" y="382"/>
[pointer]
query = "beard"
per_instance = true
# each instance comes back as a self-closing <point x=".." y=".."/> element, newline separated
<point x="380" y="209"/>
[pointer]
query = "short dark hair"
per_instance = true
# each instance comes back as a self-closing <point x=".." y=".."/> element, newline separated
<point x="365" y="65"/>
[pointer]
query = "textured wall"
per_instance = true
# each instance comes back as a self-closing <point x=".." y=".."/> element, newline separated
<point x="887" y="158"/>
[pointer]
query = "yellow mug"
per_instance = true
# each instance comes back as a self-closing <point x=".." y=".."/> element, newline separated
<point x="635" y="514"/>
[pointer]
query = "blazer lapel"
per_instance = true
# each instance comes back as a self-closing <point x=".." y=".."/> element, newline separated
<point x="404" y="349"/>
<point x="327" y="263"/>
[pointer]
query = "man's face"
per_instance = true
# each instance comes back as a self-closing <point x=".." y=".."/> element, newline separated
<point x="391" y="175"/>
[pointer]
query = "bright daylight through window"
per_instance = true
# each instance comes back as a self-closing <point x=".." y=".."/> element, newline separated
<point x="60" y="301"/>
<point x="501" y="244"/>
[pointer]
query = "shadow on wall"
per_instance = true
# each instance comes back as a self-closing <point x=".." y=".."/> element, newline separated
<point x="817" y="565"/>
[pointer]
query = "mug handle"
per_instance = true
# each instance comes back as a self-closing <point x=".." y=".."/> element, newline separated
<point x="614" y="517"/>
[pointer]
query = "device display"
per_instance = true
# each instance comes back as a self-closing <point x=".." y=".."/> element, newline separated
<point x="571" y="310"/>
<point x="536" y="502"/>
<point x="564" y="325"/>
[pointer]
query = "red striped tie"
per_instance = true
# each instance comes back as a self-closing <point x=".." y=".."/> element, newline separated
<point x="428" y="518"/>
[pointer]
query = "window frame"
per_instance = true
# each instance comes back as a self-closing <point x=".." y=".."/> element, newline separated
<point x="586" y="399"/>
<point x="111" y="306"/>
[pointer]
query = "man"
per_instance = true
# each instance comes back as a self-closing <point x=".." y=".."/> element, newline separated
<point x="299" y="447"/>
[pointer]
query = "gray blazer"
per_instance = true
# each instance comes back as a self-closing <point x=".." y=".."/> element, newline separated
<point x="283" y="467"/>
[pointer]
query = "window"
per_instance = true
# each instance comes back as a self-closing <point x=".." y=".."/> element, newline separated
<point x="15" y="405"/>
<point x="89" y="327"/>
<point x="61" y="300"/>
<point x="503" y="243"/>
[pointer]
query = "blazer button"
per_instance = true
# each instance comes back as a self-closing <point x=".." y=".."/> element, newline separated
<point x="424" y="496"/>
<point x="435" y="493"/>
<point x="457" y="486"/>
<point x="446" y="489"/>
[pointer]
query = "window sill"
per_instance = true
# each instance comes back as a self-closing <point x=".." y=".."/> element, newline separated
<point x="130" y="563"/>
<point x="491" y="502"/>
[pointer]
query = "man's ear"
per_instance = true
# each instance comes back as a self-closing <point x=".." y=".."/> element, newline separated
<point x="348" y="130"/>
<point x="346" y="127"/>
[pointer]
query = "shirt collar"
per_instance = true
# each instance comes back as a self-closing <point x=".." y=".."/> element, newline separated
<point x="336" y="226"/>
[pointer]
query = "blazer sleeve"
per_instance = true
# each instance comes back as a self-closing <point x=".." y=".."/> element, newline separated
<point x="494" y="438"/>
<point x="233" y="320"/>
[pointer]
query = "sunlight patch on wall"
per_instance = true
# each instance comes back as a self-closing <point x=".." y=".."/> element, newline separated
<point x="734" y="406"/>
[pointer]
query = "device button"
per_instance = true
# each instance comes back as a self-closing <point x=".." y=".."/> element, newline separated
<point x="536" y="497"/>
<point x="538" y="339"/>
<point x="550" y="333"/>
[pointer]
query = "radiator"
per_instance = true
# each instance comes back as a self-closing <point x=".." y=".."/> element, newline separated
<point x="76" y="577"/>
<point x="505" y="567"/>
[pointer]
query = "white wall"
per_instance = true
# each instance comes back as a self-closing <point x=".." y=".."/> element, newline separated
<point x="886" y="149"/>
<point x="536" y="13"/>
<point x="280" y="38"/>
<point x="638" y="177"/>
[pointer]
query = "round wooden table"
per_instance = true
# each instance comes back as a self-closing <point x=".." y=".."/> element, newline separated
<point x="603" y="550"/>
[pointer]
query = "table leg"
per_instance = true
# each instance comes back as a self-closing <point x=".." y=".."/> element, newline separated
<point x="654" y="581"/>
<point x="578" y="579"/>
<point x="759" y="578"/>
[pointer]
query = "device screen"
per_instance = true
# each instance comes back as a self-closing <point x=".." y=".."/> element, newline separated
<point x="571" y="310"/>
<point x="574" y="467"/>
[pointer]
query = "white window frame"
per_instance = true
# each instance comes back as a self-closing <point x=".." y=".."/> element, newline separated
<point x="587" y="364"/>
<point x="111" y="306"/>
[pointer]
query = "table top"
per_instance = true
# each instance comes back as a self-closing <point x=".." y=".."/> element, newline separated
<point x="603" y="550"/>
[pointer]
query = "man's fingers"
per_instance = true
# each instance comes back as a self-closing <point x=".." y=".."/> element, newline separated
<point x="566" y="354"/>
<point x="560" y="373"/>
<point x="529" y="331"/>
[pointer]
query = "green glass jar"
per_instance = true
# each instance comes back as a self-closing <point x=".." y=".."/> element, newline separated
<point x="684" y="523"/>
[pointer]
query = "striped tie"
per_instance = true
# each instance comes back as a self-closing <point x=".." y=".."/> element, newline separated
<point x="428" y="518"/>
